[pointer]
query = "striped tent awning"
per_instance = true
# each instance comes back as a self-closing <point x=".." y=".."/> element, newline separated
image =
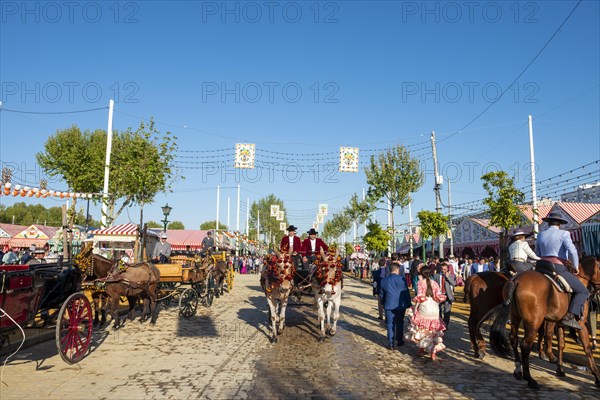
<point x="122" y="229"/>
<point x="26" y="243"/>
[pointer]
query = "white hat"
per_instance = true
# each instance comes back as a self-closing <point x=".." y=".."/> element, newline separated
<point x="163" y="235"/>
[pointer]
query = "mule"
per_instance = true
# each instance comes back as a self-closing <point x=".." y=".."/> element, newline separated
<point x="140" y="280"/>
<point x="327" y="287"/>
<point x="277" y="282"/>
<point x="535" y="300"/>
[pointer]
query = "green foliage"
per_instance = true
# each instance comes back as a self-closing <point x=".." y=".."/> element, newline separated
<point x="154" y="224"/>
<point x="502" y="199"/>
<point x="140" y="163"/>
<point x="349" y="247"/>
<point x="393" y="175"/>
<point x="210" y="225"/>
<point x="28" y="214"/>
<point x="433" y="224"/>
<point x="377" y="238"/>
<point x="176" y="225"/>
<point x="338" y="224"/>
<point x="267" y="223"/>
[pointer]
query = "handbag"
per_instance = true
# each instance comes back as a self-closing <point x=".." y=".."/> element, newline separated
<point x="459" y="281"/>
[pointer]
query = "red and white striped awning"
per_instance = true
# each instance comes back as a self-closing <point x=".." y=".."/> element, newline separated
<point x="122" y="229"/>
<point x="580" y="212"/>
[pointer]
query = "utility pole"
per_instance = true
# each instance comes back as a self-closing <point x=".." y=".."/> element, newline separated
<point x="228" y="208"/>
<point x="533" y="188"/>
<point x="436" y="188"/>
<point x="218" y="201"/>
<point x="258" y="227"/>
<point x="450" y="220"/>
<point x="111" y="105"/>
<point x="247" y="217"/>
<point x="237" y="218"/>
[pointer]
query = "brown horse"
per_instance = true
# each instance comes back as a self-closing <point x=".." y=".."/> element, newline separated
<point x="536" y="299"/>
<point x="139" y="280"/>
<point x="483" y="292"/>
<point x="94" y="267"/>
<point x="277" y="282"/>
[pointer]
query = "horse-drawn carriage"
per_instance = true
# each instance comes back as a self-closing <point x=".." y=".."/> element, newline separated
<point x="189" y="280"/>
<point x="46" y="296"/>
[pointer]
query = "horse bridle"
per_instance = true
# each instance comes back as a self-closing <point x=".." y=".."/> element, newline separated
<point x="593" y="280"/>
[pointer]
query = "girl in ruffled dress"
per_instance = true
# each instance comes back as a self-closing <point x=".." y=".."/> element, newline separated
<point x="426" y="328"/>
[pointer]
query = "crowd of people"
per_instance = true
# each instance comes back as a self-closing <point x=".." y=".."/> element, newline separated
<point x="27" y="256"/>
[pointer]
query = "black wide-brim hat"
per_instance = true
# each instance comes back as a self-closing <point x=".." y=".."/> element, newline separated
<point x="312" y="232"/>
<point x="292" y="228"/>
<point x="554" y="216"/>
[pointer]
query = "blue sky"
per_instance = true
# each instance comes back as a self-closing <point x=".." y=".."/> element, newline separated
<point x="370" y="74"/>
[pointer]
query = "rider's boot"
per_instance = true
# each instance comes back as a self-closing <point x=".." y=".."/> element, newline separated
<point x="569" y="321"/>
<point x="509" y="291"/>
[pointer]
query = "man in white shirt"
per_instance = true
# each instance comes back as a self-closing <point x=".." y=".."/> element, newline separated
<point x="520" y="252"/>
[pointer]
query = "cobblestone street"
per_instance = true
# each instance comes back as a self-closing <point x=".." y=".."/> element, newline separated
<point x="224" y="352"/>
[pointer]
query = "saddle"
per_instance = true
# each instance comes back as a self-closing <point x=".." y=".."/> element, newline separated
<point x="548" y="269"/>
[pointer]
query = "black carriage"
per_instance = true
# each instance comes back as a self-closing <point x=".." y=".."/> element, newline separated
<point x="47" y="296"/>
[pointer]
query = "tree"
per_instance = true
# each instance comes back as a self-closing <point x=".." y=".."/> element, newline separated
<point x="268" y="224"/>
<point x="376" y="238"/>
<point x="176" y="225"/>
<point x="210" y="225"/>
<point x="393" y="176"/>
<point x="433" y="224"/>
<point x="349" y="248"/>
<point x="503" y="199"/>
<point x="27" y="214"/>
<point x="154" y="225"/>
<point x="336" y="226"/>
<point x="140" y="163"/>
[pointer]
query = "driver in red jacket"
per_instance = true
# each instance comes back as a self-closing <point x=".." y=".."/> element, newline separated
<point x="311" y="247"/>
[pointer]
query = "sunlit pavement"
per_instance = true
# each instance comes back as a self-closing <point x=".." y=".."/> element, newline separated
<point x="224" y="352"/>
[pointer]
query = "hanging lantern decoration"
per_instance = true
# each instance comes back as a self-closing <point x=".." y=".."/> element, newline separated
<point x="348" y="159"/>
<point x="244" y="155"/>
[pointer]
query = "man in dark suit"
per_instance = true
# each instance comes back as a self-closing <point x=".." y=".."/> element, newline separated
<point x="447" y="282"/>
<point x="396" y="299"/>
<point x="312" y="245"/>
<point x="378" y="275"/>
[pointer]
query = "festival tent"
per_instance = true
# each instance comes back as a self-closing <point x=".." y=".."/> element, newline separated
<point x="477" y="235"/>
<point x="590" y="232"/>
<point x="34" y="235"/>
<point x="575" y="214"/>
<point x="114" y="241"/>
<point x="7" y="231"/>
<point x="185" y="239"/>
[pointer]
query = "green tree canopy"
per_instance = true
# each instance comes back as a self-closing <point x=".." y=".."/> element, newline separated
<point x="336" y="226"/>
<point x="503" y="198"/>
<point x="28" y="214"/>
<point x="393" y="176"/>
<point x="376" y="238"/>
<point x="210" y="225"/>
<point x="176" y="225"/>
<point x="349" y="248"/>
<point x="154" y="224"/>
<point x="268" y="224"/>
<point x="140" y="163"/>
<point x="432" y="223"/>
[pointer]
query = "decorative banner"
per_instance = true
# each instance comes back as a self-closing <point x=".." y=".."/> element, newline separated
<point x="274" y="210"/>
<point x="323" y="209"/>
<point x="244" y="155"/>
<point x="315" y="226"/>
<point x="282" y="226"/>
<point x="320" y="218"/>
<point x="348" y="159"/>
<point x="279" y="216"/>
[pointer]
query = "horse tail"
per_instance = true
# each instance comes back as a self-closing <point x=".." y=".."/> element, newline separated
<point x="467" y="289"/>
<point x="498" y="339"/>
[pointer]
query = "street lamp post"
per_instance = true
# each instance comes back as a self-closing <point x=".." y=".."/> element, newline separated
<point x="166" y="211"/>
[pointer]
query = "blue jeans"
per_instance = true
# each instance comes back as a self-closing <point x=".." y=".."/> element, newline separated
<point x="415" y="280"/>
<point x="394" y="320"/>
<point x="580" y="293"/>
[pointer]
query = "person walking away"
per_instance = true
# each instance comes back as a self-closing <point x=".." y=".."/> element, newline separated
<point x="555" y="245"/>
<point x="379" y="275"/>
<point x="446" y="279"/>
<point x="414" y="272"/>
<point x="396" y="299"/>
<point x="426" y="328"/>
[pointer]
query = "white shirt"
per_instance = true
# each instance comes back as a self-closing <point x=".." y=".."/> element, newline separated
<point x="291" y="242"/>
<point x="520" y="249"/>
<point x="313" y="244"/>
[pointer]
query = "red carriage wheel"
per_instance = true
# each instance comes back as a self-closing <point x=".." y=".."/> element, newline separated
<point x="74" y="328"/>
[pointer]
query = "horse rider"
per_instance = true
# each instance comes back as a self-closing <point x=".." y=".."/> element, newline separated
<point x="162" y="250"/>
<point x="312" y="245"/>
<point x="520" y="252"/>
<point x="208" y="244"/>
<point x="555" y="245"/>
<point x="293" y="242"/>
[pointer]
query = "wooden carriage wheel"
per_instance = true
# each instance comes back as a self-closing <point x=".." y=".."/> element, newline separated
<point x="74" y="328"/>
<point x="209" y="295"/>
<point x="188" y="303"/>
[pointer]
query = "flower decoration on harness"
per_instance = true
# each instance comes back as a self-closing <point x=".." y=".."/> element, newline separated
<point x="276" y="271"/>
<point x="324" y="266"/>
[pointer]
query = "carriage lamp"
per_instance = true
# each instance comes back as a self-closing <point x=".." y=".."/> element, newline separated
<point x="166" y="211"/>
